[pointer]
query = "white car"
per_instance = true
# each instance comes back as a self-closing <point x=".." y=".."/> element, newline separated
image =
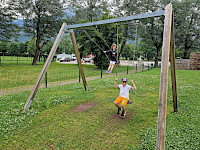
<point x="87" y="59"/>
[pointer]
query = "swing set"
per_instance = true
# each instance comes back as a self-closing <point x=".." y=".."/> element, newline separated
<point x="167" y="47"/>
<point x="117" y="58"/>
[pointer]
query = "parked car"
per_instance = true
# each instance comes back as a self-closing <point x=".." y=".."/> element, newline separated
<point x="87" y="59"/>
<point x="66" y="56"/>
<point x="67" y="59"/>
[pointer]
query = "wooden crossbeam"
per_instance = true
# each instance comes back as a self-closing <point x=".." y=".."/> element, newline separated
<point x="114" y="20"/>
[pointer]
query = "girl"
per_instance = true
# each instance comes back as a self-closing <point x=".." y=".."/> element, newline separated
<point x="113" y="53"/>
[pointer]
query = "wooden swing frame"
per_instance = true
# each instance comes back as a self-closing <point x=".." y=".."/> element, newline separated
<point x="168" y="47"/>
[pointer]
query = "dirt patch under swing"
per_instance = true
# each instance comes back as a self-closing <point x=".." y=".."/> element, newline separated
<point x="84" y="107"/>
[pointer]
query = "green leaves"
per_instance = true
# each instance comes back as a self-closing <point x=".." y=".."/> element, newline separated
<point x="8" y="30"/>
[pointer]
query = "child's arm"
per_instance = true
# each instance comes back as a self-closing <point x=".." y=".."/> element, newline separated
<point x="133" y="87"/>
<point x="115" y="85"/>
<point x="106" y="51"/>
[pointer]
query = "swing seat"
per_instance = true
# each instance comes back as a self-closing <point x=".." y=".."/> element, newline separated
<point x="129" y="102"/>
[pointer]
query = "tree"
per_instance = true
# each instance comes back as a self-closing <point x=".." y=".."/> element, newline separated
<point x="128" y="51"/>
<point x="31" y="46"/>
<point x="104" y="36"/>
<point x="43" y="19"/>
<point x="13" y="49"/>
<point x="146" y="50"/>
<point x="151" y="29"/>
<point x="22" y="48"/>
<point x="46" y="48"/>
<point x="127" y="8"/>
<point x="3" y="47"/>
<point x="8" y="30"/>
<point x="65" y="45"/>
<point x="187" y="26"/>
<point x="88" y="9"/>
<point x="186" y="23"/>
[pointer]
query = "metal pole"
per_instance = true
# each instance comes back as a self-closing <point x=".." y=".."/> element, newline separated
<point x="101" y="71"/>
<point x="142" y="67"/>
<point x="148" y="66"/>
<point x="46" y="79"/>
<point x="79" y="76"/>
<point x="17" y="59"/>
<point x="127" y="69"/>
<point x="136" y="68"/>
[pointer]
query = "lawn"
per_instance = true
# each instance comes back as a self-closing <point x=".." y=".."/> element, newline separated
<point x="21" y="77"/>
<point x="55" y="120"/>
<point x="26" y="75"/>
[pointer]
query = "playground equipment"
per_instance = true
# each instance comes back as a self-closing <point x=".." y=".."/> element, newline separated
<point x="168" y="47"/>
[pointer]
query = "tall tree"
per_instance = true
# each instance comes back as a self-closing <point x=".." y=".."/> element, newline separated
<point x="3" y="47"/>
<point x="46" y="48"/>
<point x="43" y="19"/>
<point x="97" y="40"/>
<point x="22" y="47"/>
<point x="187" y="26"/>
<point x="31" y="48"/>
<point x="13" y="48"/>
<point x="122" y="9"/>
<point x="88" y="9"/>
<point x="128" y="51"/>
<point x="65" y="45"/>
<point x="151" y="29"/>
<point x="146" y="50"/>
<point x="8" y="30"/>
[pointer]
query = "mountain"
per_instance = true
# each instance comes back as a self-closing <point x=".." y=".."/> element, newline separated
<point x="19" y="22"/>
<point x="23" y="37"/>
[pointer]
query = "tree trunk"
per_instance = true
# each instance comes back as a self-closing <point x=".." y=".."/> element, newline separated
<point x="156" y="57"/>
<point x="186" y="48"/>
<point x="37" y="48"/>
<point x="36" y="52"/>
<point x="37" y="41"/>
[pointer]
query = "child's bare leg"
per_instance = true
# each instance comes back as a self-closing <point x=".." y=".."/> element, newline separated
<point x="112" y="67"/>
<point x="117" y="105"/>
<point x="109" y="67"/>
<point x="123" y="107"/>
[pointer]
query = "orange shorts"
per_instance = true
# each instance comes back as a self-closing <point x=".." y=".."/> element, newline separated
<point x="121" y="100"/>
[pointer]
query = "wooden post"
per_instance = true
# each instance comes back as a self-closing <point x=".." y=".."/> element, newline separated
<point x="45" y="67"/>
<point x="173" y="71"/>
<point x="78" y="59"/>
<point x="162" y="108"/>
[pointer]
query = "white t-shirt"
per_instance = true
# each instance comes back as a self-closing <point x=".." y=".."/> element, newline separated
<point x="124" y="91"/>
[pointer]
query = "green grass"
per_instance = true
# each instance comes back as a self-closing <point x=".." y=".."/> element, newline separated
<point x="14" y="60"/>
<point x="52" y="121"/>
<point x="26" y="75"/>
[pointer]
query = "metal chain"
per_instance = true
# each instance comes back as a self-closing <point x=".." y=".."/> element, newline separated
<point x="134" y="54"/>
<point x="95" y="43"/>
<point x="102" y="38"/>
<point x="117" y="57"/>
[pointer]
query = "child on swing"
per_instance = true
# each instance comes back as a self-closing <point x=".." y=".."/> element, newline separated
<point x="123" y="95"/>
<point x="113" y="53"/>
